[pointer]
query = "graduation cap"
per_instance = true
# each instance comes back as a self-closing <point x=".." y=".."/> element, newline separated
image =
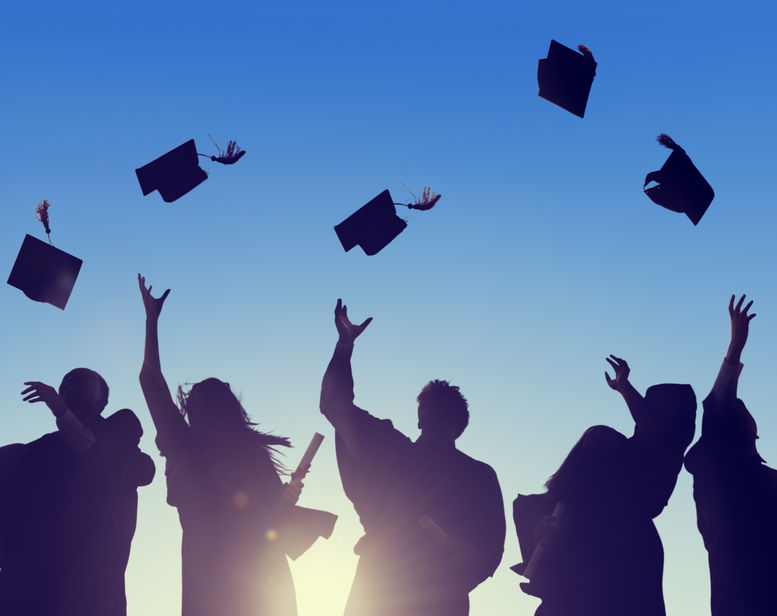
<point x="681" y="187"/>
<point x="176" y="173"/>
<point x="41" y="271"/>
<point x="375" y="224"/>
<point x="565" y="77"/>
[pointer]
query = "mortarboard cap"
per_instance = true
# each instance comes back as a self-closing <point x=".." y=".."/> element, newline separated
<point x="681" y="187"/>
<point x="174" y="174"/>
<point x="372" y="226"/>
<point x="565" y="77"/>
<point x="44" y="273"/>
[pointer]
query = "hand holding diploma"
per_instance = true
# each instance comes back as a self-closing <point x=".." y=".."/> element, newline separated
<point x="545" y="531"/>
<point x="293" y="489"/>
<point x="460" y="550"/>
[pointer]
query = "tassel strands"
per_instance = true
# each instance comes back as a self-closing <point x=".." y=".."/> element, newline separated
<point x="230" y="156"/>
<point x="427" y="201"/>
<point x="42" y="214"/>
<point x="666" y="141"/>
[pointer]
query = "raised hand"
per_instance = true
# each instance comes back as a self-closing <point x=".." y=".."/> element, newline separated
<point x="40" y="392"/>
<point x="348" y="331"/>
<point x="152" y="304"/>
<point x="622" y="371"/>
<point x="740" y="327"/>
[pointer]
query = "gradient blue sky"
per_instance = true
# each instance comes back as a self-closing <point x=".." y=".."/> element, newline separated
<point x="542" y="257"/>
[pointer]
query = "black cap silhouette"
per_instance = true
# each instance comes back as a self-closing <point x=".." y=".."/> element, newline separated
<point x="372" y="226"/>
<point x="681" y="187"/>
<point x="44" y="273"/>
<point x="174" y="174"/>
<point x="565" y="77"/>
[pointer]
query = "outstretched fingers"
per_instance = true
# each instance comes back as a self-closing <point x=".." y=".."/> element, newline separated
<point x="738" y="310"/>
<point x="34" y="391"/>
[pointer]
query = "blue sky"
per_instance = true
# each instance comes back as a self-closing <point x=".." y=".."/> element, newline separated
<point x="542" y="257"/>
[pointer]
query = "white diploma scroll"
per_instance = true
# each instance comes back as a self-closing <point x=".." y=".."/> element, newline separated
<point x="434" y="530"/>
<point x="307" y="458"/>
<point x="539" y="551"/>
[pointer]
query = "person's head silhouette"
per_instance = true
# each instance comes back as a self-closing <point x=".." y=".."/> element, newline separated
<point x="216" y="415"/>
<point x="442" y="411"/>
<point x="210" y="406"/>
<point x="593" y="466"/>
<point x="85" y="393"/>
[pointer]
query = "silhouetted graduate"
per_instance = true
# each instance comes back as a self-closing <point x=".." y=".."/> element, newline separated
<point x="735" y="492"/>
<point x="433" y="517"/>
<point x="374" y="225"/>
<point x="680" y="186"/>
<point x="176" y="173"/>
<point x="68" y="505"/>
<point x="41" y="271"/>
<point x="239" y="521"/>
<point x="604" y="556"/>
<point x="565" y="77"/>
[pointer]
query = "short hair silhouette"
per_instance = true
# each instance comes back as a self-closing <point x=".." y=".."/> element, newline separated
<point x="84" y="391"/>
<point x="442" y="408"/>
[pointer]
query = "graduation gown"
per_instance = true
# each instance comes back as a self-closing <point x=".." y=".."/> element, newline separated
<point x="606" y="558"/>
<point x="236" y="531"/>
<point x="393" y="482"/>
<point x="736" y="511"/>
<point x="67" y="521"/>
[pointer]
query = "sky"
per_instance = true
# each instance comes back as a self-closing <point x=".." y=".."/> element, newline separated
<point x="542" y="257"/>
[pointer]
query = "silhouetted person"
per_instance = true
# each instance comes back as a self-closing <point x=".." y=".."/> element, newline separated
<point x="68" y="505"/>
<point x="238" y="519"/>
<point x="735" y="492"/>
<point x="604" y="557"/>
<point x="433" y="517"/>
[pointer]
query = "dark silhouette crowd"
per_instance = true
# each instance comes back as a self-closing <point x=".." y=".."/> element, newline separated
<point x="433" y="517"/>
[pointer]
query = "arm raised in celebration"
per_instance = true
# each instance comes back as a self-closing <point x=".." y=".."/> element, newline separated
<point x="165" y="414"/>
<point x="337" y="386"/>
<point x="727" y="380"/>
<point x="620" y="383"/>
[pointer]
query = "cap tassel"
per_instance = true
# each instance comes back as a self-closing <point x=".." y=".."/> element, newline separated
<point x="666" y="141"/>
<point x="427" y="201"/>
<point x="230" y="156"/>
<point x="42" y="214"/>
<point x="585" y="51"/>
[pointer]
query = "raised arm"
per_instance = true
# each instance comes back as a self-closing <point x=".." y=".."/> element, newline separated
<point x="337" y="387"/>
<point x="164" y="412"/>
<point x="80" y="438"/>
<point x="725" y="386"/>
<point x="622" y="385"/>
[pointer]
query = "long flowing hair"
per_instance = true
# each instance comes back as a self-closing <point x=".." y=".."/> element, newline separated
<point x="592" y="469"/>
<point x="216" y="398"/>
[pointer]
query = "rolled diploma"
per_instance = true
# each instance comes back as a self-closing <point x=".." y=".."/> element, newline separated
<point x="539" y="551"/>
<point x="307" y="457"/>
<point x="434" y="530"/>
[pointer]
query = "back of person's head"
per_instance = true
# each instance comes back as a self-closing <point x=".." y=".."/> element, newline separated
<point x="673" y="404"/>
<point x="592" y="468"/>
<point x="442" y="410"/>
<point x="210" y="405"/>
<point x="84" y="392"/>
